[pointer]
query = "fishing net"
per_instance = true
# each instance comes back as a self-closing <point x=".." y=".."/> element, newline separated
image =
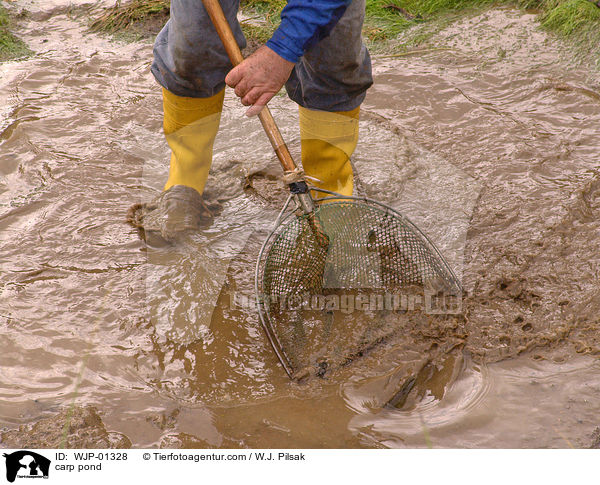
<point x="325" y="303"/>
<point x="321" y="261"/>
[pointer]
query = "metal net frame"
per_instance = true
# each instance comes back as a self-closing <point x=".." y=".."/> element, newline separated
<point x="371" y="247"/>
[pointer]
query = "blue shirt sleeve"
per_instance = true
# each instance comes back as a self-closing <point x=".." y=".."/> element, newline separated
<point x="303" y="24"/>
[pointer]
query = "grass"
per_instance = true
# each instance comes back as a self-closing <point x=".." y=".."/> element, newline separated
<point x="10" y="46"/>
<point x="120" y="17"/>
<point x="385" y="20"/>
<point x="572" y="17"/>
<point x="578" y="20"/>
<point x="263" y="18"/>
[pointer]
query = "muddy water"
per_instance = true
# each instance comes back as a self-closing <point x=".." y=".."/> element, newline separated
<point x="490" y="151"/>
<point x="526" y="128"/>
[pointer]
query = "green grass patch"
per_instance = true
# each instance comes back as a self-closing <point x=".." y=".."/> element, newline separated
<point x="429" y="7"/>
<point x="269" y="8"/>
<point x="386" y="19"/>
<point x="10" y="46"/>
<point x="256" y="32"/>
<point x="576" y="20"/>
<point x="573" y="17"/>
<point x="263" y="19"/>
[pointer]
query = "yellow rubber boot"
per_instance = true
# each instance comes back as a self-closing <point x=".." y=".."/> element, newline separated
<point x="190" y="126"/>
<point x="328" y="140"/>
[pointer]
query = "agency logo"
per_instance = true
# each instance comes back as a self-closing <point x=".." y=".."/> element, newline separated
<point x="26" y="464"/>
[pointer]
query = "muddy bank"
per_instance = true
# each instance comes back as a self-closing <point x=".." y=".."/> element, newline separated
<point x="526" y="131"/>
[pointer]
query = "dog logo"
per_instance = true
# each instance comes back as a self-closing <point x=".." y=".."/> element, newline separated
<point x="26" y="464"/>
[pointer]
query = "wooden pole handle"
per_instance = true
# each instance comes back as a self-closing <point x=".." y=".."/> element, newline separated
<point x="215" y="12"/>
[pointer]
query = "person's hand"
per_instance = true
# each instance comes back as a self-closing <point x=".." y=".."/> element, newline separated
<point x="258" y="78"/>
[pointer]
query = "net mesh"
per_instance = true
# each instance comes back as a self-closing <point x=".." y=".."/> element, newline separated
<point x="327" y="301"/>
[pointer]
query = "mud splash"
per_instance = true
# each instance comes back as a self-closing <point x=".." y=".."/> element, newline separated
<point x="498" y="168"/>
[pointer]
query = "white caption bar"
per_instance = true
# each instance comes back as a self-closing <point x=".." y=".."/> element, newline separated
<point x="153" y="466"/>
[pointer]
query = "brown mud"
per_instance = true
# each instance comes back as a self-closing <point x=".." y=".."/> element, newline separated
<point x="170" y="216"/>
<point x="533" y="236"/>
<point x="71" y="428"/>
<point x="490" y="148"/>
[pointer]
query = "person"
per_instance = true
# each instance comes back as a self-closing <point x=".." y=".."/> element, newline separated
<point x="317" y="52"/>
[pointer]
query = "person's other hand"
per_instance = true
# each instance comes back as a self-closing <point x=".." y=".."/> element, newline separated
<point x="258" y="78"/>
